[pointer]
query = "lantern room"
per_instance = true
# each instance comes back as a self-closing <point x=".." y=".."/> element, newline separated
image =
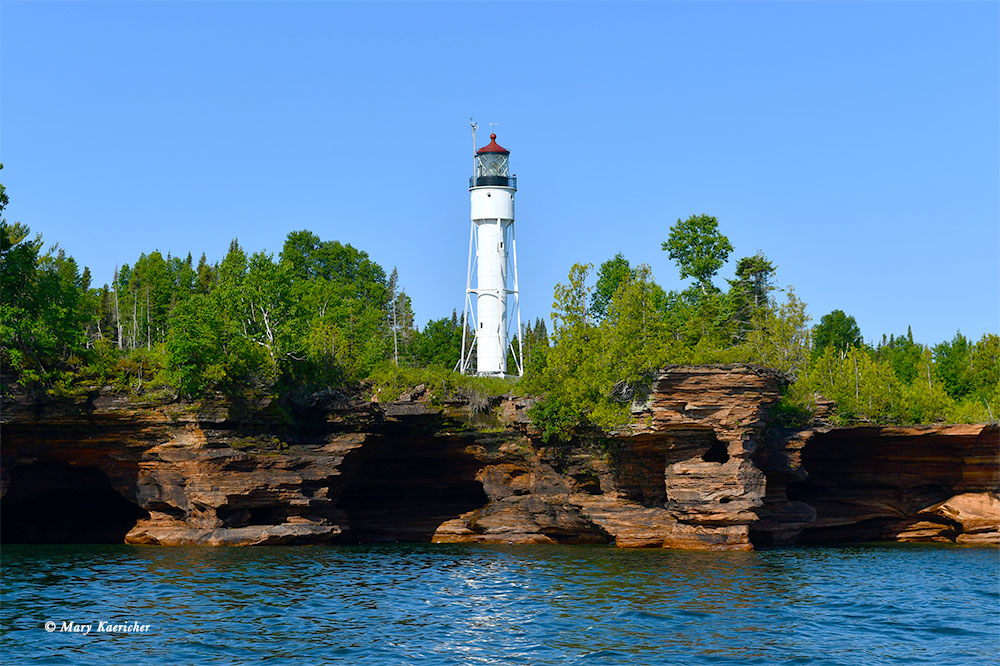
<point x="492" y="168"/>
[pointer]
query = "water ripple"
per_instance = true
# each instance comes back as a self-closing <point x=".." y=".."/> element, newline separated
<point x="466" y="605"/>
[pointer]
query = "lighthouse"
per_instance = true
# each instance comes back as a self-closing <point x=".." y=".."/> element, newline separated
<point x="493" y="262"/>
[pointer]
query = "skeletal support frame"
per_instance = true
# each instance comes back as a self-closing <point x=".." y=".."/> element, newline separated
<point x="512" y="315"/>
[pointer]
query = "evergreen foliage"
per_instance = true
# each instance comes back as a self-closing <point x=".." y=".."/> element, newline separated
<point x="438" y="344"/>
<point x="323" y="314"/>
<point x="837" y="330"/>
<point x="601" y="356"/>
<point x="612" y="273"/>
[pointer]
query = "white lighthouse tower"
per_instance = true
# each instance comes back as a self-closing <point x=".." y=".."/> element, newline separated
<point x="493" y="259"/>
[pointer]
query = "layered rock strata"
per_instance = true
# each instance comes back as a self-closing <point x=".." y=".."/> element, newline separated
<point x="906" y="483"/>
<point x="682" y="476"/>
<point x="702" y="466"/>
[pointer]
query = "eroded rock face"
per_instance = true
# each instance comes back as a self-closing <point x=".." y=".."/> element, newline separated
<point x="211" y="493"/>
<point x="681" y="477"/>
<point x="907" y="483"/>
<point x="195" y="475"/>
<point x="977" y="515"/>
<point x="700" y="468"/>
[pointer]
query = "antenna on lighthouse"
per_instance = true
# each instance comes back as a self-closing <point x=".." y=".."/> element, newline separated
<point x="475" y="126"/>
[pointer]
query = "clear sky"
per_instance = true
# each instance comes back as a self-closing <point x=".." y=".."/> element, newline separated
<point x="856" y="144"/>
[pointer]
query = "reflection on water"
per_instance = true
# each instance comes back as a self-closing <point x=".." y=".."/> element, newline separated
<point x="442" y="604"/>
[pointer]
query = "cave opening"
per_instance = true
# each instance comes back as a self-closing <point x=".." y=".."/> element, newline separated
<point x="54" y="502"/>
<point x="761" y="539"/>
<point x="865" y="531"/>
<point x="717" y="452"/>
<point x="404" y="485"/>
<point x="252" y="515"/>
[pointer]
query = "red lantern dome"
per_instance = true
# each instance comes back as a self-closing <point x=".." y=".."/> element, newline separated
<point x="493" y="147"/>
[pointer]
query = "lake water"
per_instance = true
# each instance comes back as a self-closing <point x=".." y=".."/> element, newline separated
<point x="533" y="605"/>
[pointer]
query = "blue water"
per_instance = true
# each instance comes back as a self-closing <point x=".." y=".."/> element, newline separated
<point x="437" y="604"/>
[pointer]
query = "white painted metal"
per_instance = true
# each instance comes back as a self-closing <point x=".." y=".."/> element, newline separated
<point x="493" y="257"/>
<point x="491" y="297"/>
<point x="492" y="203"/>
<point x="463" y="361"/>
<point x="519" y="355"/>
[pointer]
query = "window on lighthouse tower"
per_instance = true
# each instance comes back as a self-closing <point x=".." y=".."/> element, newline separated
<point x="493" y="165"/>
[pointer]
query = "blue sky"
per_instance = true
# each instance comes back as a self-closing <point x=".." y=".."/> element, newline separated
<point x="856" y="144"/>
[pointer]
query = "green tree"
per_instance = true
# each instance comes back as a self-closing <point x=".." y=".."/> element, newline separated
<point x="569" y="307"/>
<point x="249" y="358"/>
<point x="953" y="364"/>
<point x="610" y="275"/>
<point x="268" y="309"/>
<point x="838" y="330"/>
<point x="982" y="402"/>
<point x="754" y="279"/>
<point x="633" y="345"/>
<point x="4" y="199"/>
<point x="205" y="276"/>
<point x="536" y="347"/>
<point x="864" y="388"/>
<point x="748" y="293"/>
<point x="571" y="384"/>
<point x="43" y="311"/>
<point x="986" y="364"/>
<point x="698" y="249"/>
<point x="183" y="274"/>
<point x="154" y="289"/>
<point x="195" y="346"/>
<point x="779" y="336"/>
<point x="399" y="319"/>
<point x="924" y="399"/>
<point x="45" y="308"/>
<point x="438" y="344"/>
<point x="19" y="259"/>
<point x="338" y="288"/>
<point x="902" y="354"/>
<point x="589" y="374"/>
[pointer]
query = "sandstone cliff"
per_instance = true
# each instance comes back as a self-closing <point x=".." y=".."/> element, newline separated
<point x="702" y="466"/>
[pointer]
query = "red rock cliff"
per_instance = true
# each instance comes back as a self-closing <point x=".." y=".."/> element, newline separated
<point x="701" y="467"/>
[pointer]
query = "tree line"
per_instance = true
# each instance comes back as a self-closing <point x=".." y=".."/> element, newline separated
<point x="323" y="314"/>
<point x="614" y="327"/>
<point x="318" y="314"/>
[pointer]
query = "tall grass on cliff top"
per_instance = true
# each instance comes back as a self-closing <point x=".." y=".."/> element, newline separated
<point x="324" y="314"/>
<point x="389" y="383"/>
